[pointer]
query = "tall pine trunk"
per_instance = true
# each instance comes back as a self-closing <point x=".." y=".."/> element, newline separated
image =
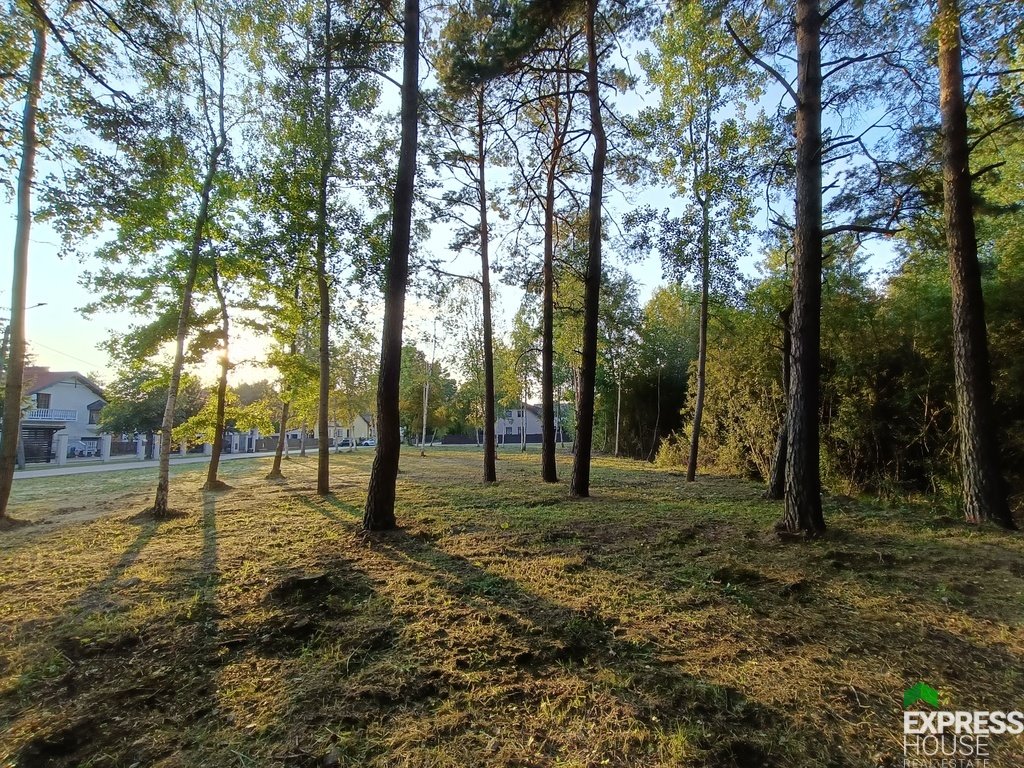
<point x="549" y="469"/>
<point x="323" y="468"/>
<point x="803" y="479"/>
<point x="702" y="340"/>
<point x="490" y="442"/>
<point x="212" y="483"/>
<point x="380" y="498"/>
<point x="984" y="492"/>
<point x="580" y="483"/>
<point x="14" y="385"/>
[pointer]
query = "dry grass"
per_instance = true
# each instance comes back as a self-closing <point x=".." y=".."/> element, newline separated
<point x="656" y="624"/>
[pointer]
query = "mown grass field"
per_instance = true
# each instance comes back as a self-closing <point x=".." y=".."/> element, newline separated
<point x="655" y="624"/>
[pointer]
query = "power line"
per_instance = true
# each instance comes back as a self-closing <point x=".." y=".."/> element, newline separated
<point x="67" y="354"/>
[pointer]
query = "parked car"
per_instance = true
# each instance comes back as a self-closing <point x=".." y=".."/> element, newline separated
<point x="345" y="442"/>
<point x="369" y="442"/>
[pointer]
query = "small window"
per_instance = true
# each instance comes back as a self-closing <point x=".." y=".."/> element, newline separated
<point x="519" y="413"/>
<point x="43" y="400"/>
<point x="508" y="430"/>
<point x="94" y="417"/>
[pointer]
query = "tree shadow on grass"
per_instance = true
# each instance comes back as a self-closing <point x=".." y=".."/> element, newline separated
<point x="97" y="597"/>
<point x="542" y="640"/>
<point x="326" y="506"/>
<point x="125" y="676"/>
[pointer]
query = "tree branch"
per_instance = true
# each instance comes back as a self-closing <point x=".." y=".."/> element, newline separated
<point x="996" y="129"/>
<point x="438" y="271"/>
<point x="763" y="64"/>
<point x="40" y="13"/>
<point x="862" y="229"/>
<point x="833" y="9"/>
<point x="991" y="167"/>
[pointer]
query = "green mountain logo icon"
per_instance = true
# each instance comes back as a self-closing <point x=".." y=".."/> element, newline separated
<point x="920" y="692"/>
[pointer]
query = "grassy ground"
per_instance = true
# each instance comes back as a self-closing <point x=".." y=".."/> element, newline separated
<point x="656" y="624"/>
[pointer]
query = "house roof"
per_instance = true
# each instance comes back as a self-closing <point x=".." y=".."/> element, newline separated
<point x="534" y="409"/>
<point x="38" y="378"/>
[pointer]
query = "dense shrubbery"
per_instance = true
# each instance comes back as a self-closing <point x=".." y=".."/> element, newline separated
<point x="888" y="406"/>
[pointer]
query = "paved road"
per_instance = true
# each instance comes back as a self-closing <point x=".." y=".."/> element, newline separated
<point x="119" y="466"/>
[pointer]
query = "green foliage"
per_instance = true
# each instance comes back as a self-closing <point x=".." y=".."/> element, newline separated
<point x="744" y="400"/>
<point x="888" y="405"/>
<point x="353" y="377"/>
<point x="202" y="426"/>
<point x="137" y="398"/>
<point x="517" y="27"/>
<point x="698" y="141"/>
<point x="651" y="350"/>
<point x="417" y="370"/>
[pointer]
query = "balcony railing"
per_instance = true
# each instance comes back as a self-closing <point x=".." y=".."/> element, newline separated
<point x="51" y="414"/>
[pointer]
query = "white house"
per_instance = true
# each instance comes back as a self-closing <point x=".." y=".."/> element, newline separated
<point x="362" y="427"/>
<point x="509" y="427"/>
<point x="63" y="403"/>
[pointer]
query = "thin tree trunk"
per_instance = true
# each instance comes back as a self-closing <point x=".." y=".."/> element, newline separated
<point x="160" y="508"/>
<point x="522" y="420"/>
<point x="323" y="469"/>
<point x="561" y="428"/>
<point x="16" y="363"/>
<point x="212" y="483"/>
<point x="490" y="440"/>
<point x="302" y="440"/>
<point x="580" y="483"/>
<point x="657" y="418"/>
<point x="618" y="411"/>
<point x="702" y="341"/>
<point x="803" y="478"/>
<point x="777" y="482"/>
<point x="576" y="376"/>
<point x="984" y="492"/>
<point x="426" y="393"/>
<point x="282" y="440"/>
<point x="426" y="398"/>
<point x="380" y="497"/>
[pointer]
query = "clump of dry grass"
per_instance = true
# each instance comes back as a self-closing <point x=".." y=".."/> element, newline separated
<point x="658" y="623"/>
